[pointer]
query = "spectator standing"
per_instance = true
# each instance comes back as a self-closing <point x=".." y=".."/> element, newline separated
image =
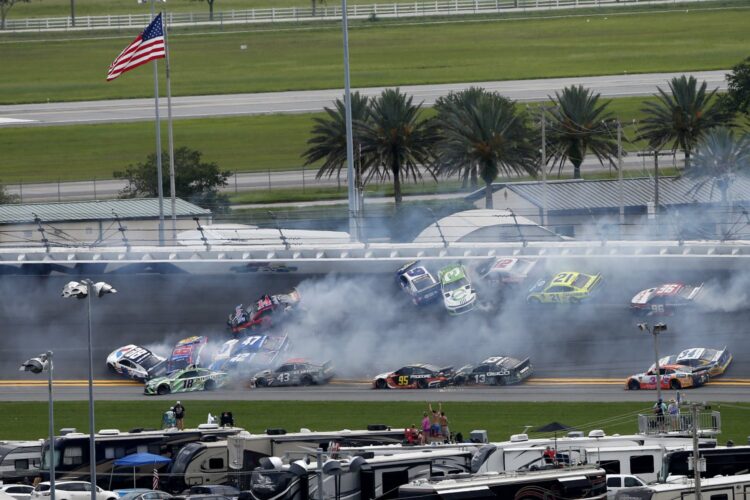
<point x="179" y="415"/>
<point x="674" y="415"/>
<point x="444" y="429"/>
<point x="435" y="420"/>
<point x="168" y="420"/>
<point x="425" y="428"/>
<point x="659" y="410"/>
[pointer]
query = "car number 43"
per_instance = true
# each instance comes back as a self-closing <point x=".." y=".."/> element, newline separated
<point x="283" y="377"/>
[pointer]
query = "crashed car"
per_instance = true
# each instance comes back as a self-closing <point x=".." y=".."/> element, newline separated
<point x="264" y="313"/>
<point x="295" y="372"/>
<point x="568" y="287"/>
<point x="415" y="376"/>
<point x="700" y="358"/>
<point x="188" y="379"/>
<point x="673" y="377"/>
<point x="458" y="295"/>
<point x="497" y="370"/>
<point x="505" y="272"/>
<point x="417" y="282"/>
<point x="665" y="299"/>
<point x="136" y="362"/>
<point x="251" y="353"/>
<point x="186" y="352"/>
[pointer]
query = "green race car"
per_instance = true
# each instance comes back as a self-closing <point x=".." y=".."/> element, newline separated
<point x="188" y="379"/>
<point x="458" y="295"/>
<point x="565" y="288"/>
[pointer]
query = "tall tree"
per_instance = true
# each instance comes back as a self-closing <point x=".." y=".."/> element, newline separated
<point x="328" y="141"/>
<point x="737" y="98"/>
<point x="679" y="118"/>
<point x="719" y="158"/>
<point x="195" y="180"/>
<point x="5" y="6"/>
<point x="210" y="8"/>
<point x="449" y="105"/>
<point x="395" y="141"/>
<point x="489" y="133"/>
<point x="577" y="127"/>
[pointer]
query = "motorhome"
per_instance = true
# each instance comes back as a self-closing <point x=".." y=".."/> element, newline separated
<point x="72" y="451"/>
<point x="198" y="463"/>
<point x="568" y="484"/>
<point x="19" y="460"/>
<point x="721" y="460"/>
<point x="683" y="488"/>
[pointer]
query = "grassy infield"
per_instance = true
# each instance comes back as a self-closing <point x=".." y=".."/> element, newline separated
<point x="306" y="59"/>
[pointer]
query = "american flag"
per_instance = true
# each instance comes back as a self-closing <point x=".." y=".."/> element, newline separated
<point x="155" y="482"/>
<point x="148" y="46"/>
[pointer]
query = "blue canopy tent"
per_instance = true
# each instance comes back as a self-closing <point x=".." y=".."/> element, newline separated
<point x="137" y="460"/>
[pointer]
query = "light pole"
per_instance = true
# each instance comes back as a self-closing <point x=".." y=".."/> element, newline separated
<point x="655" y="331"/>
<point x="42" y="363"/>
<point x="80" y="290"/>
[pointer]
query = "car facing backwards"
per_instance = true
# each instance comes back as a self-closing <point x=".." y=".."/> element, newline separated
<point x="264" y="313"/>
<point x="186" y="352"/>
<point x="673" y="377"/>
<point x="497" y="370"/>
<point x="188" y="379"/>
<point x="458" y="295"/>
<point x="253" y="352"/>
<point x="665" y="299"/>
<point x="415" y="376"/>
<point x="504" y="272"/>
<point x="417" y="282"/>
<point x="700" y="358"/>
<point x="136" y="362"/>
<point x="568" y="287"/>
<point x="295" y="372"/>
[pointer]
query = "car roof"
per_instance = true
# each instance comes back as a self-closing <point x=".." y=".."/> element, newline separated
<point x="570" y="277"/>
<point x="668" y="289"/>
<point x="428" y="366"/>
<point x="445" y="270"/>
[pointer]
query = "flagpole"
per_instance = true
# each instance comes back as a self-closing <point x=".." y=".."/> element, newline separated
<point x="159" y="187"/>
<point x="170" y="135"/>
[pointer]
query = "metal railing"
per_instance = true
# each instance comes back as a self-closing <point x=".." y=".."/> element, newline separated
<point x="321" y="13"/>
<point x="709" y="424"/>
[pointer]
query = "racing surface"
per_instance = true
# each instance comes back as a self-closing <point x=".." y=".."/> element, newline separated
<point x="366" y="326"/>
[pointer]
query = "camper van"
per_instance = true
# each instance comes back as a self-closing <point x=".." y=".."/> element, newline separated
<point x="19" y="460"/>
<point x="200" y="463"/>
<point x="683" y="488"/>
<point x="722" y="460"/>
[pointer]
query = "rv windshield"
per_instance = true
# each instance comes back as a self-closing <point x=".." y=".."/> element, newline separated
<point x="45" y="457"/>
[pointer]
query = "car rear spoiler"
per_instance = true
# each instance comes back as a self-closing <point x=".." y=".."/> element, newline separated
<point x="597" y="281"/>
<point x="526" y="363"/>
<point x="406" y="267"/>
<point x="446" y="369"/>
<point x="696" y="291"/>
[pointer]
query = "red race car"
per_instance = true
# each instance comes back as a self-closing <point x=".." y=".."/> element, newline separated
<point x="665" y="299"/>
<point x="263" y="313"/>
<point x="416" y="376"/>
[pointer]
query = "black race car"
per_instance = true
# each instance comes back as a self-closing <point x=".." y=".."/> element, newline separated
<point x="497" y="370"/>
<point x="295" y="372"/>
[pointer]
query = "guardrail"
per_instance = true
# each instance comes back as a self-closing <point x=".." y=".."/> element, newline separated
<point x="709" y="424"/>
<point x="321" y="13"/>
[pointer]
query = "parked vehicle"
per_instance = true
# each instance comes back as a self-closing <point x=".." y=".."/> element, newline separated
<point x="19" y="460"/>
<point x="17" y="491"/>
<point x="617" y="482"/>
<point x="71" y="490"/>
<point x="716" y="488"/>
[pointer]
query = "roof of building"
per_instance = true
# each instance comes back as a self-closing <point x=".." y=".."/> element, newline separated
<point x="580" y="194"/>
<point x="462" y="225"/>
<point x="131" y="208"/>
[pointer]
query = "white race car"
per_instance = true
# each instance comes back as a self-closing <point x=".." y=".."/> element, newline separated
<point x="136" y="362"/>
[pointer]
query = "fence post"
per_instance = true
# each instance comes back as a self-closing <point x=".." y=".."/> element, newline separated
<point x="94" y="187"/>
<point x="20" y="190"/>
<point x="58" y="189"/>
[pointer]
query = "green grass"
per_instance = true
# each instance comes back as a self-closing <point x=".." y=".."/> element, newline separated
<point x="382" y="54"/>
<point x="28" y="420"/>
<point x="251" y="143"/>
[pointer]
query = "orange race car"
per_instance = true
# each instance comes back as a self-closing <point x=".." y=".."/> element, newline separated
<point x="415" y="376"/>
<point x="673" y="377"/>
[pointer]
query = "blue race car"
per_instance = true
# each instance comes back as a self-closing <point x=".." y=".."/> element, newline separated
<point x="253" y="352"/>
<point x="417" y="282"/>
<point x="187" y="352"/>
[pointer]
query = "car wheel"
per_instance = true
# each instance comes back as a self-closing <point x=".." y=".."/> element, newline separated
<point x="675" y="385"/>
<point x="633" y="385"/>
<point x="306" y="380"/>
<point x="381" y="384"/>
<point x="162" y="390"/>
<point x="422" y="383"/>
<point x="534" y="301"/>
<point x="459" y="381"/>
<point x="574" y="300"/>
<point x="261" y="382"/>
<point x="498" y="381"/>
<point x="209" y="386"/>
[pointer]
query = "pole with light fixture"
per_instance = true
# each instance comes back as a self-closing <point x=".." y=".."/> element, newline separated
<point x="40" y="364"/>
<point x="655" y="331"/>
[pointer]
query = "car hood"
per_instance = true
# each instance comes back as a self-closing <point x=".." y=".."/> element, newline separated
<point x="157" y="381"/>
<point x="382" y="375"/>
<point x="643" y="296"/>
<point x="460" y="296"/>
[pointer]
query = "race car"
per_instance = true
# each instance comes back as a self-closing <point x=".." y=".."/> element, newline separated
<point x="417" y="282"/>
<point x="665" y="299"/>
<point x="251" y="353"/>
<point x="458" y="295"/>
<point x="568" y="287"/>
<point x="136" y="362"/>
<point x="263" y="313"/>
<point x="415" y="376"/>
<point x="504" y="272"/>
<point x="497" y="370"/>
<point x="295" y="372"/>
<point x="673" y="377"/>
<point x="186" y="352"/>
<point x="700" y="358"/>
<point x="188" y="379"/>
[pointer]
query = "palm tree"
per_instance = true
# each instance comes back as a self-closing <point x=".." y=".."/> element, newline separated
<point x="682" y="116"/>
<point x="395" y="142"/>
<point x="577" y="127"/>
<point x="719" y="158"/>
<point x="489" y="133"/>
<point x="449" y="105"/>
<point x="328" y="141"/>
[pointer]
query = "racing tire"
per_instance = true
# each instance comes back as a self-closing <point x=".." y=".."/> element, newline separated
<point x="422" y="384"/>
<point x="675" y="385"/>
<point x="209" y="386"/>
<point x="633" y="385"/>
<point x="305" y="381"/>
<point x="261" y="382"/>
<point x="534" y="301"/>
<point x="499" y="381"/>
<point x="381" y="384"/>
<point x="162" y="390"/>
<point x="459" y="381"/>
<point x="574" y="300"/>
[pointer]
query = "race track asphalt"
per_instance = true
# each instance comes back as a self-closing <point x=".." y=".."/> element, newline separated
<point x="366" y="326"/>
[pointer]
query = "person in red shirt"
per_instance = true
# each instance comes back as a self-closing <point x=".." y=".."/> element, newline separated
<point x="549" y="456"/>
